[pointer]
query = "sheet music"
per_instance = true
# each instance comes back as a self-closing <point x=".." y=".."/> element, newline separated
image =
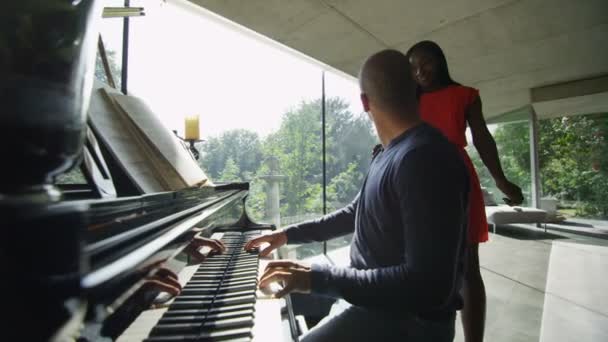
<point x="171" y="159"/>
<point x="114" y="134"/>
<point x="149" y="153"/>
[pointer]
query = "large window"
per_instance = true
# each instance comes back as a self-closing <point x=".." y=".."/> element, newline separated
<point x="350" y="140"/>
<point x="513" y="144"/>
<point x="111" y="32"/>
<point x="574" y="165"/>
<point x="259" y="107"/>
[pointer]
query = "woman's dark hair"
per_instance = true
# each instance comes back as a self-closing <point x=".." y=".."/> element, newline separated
<point x="432" y="48"/>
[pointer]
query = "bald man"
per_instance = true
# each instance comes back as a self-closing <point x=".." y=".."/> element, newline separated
<point x="409" y="223"/>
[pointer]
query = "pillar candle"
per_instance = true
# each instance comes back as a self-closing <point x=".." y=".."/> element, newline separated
<point x="192" y="128"/>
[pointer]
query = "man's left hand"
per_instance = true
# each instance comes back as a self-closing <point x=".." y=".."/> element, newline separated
<point x="294" y="277"/>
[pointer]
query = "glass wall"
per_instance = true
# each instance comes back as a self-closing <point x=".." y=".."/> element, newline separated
<point x="259" y="107"/>
<point x="513" y="144"/>
<point x="350" y="141"/>
<point x="111" y="32"/>
<point x="574" y="166"/>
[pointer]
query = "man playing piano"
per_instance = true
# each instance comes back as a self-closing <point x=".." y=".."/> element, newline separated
<point x="409" y="222"/>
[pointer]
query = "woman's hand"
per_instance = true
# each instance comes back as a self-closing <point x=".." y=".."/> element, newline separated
<point x="512" y="191"/>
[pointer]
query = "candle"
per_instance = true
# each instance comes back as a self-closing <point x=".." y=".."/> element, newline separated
<point x="192" y="128"/>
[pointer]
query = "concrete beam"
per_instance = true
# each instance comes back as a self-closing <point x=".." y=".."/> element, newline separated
<point x="569" y="89"/>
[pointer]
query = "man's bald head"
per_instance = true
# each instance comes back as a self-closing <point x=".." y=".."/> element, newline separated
<point x="386" y="81"/>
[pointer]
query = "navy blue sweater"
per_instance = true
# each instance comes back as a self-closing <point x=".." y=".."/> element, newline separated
<point x="409" y="222"/>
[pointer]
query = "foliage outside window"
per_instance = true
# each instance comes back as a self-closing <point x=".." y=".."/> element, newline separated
<point x="573" y="158"/>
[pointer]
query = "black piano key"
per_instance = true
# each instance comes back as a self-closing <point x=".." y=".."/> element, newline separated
<point x="210" y="272"/>
<point x="217" y="269"/>
<point x="201" y="304"/>
<point x="218" y="257"/>
<point x="230" y="275"/>
<point x="207" y="283"/>
<point x="176" y="329"/>
<point x="192" y="304"/>
<point x="212" y="267"/>
<point x="227" y="301"/>
<point x="187" y="291"/>
<point x="227" y="283"/>
<point x="237" y="262"/>
<point x="208" y="317"/>
<point x="241" y="274"/>
<point x="244" y="259"/>
<point x="230" y="308"/>
<point x="244" y="255"/>
<point x="193" y="291"/>
<point x="220" y="296"/>
<point x="209" y="277"/>
<point x="235" y="271"/>
<point x="230" y="314"/>
<point x="221" y="335"/>
<point x="207" y="326"/>
<point x="228" y="323"/>
<point x="212" y="311"/>
<point x="216" y="263"/>
<point x="241" y="251"/>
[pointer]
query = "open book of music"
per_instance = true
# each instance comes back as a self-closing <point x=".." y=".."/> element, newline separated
<point x="148" y="152"/>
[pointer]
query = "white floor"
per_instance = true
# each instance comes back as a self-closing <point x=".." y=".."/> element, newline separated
<point x="541" y="287"/>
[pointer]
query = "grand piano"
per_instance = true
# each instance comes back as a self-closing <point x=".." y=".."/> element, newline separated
<point x="85" y="269"/>
<point x="88" y="262"/>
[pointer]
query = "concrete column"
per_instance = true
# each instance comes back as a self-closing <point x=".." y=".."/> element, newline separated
<point x="274" y="211"/>
<point x="534" y="162"/>
<point x="273" y="208"/>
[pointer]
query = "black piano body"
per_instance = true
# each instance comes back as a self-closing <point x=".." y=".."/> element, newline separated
<point x="78" y="269"/>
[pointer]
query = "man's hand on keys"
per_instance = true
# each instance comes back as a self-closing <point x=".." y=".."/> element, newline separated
<point x="294" y="277"/>
<point x="274" y="241"/>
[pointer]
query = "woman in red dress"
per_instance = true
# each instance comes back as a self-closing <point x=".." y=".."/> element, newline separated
<point x="449" y="106"/>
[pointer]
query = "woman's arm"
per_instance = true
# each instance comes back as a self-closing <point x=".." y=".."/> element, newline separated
<point x="486" y="146"/>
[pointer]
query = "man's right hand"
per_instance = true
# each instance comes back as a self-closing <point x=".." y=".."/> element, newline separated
<point x="275" y="240"/>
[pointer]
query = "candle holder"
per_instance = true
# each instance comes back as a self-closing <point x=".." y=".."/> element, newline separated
<point x="190" y="142"/>
<point x="193" y="149"/>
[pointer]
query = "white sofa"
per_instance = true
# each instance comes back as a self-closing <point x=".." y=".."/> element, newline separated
<point x="504" y="214"/>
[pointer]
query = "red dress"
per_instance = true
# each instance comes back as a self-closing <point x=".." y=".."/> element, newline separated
<point x="445" y="109"/>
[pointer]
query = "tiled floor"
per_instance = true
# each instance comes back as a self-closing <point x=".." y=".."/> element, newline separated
<point x="542" y="286"/>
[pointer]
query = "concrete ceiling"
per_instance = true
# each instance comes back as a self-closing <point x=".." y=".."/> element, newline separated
<point x="503" y="47"/>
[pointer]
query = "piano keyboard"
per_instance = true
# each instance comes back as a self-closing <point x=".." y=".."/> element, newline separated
<point x="218" y="302"/>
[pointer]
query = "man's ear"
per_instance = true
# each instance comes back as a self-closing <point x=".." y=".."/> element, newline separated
<point x="365" y="102"/>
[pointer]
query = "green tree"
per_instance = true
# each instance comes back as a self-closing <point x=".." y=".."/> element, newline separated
<point x="239" y="155"/>
<point x="513" y="144"/>
<point x="344" y="187"/>
<point x="231" y="172"/>
<point x="243" y="146"/>
<point x="100" y="72"/>
<point x="298" y="146"/>
<point x="350" y="139"/>
<point x="573" y="158"/>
